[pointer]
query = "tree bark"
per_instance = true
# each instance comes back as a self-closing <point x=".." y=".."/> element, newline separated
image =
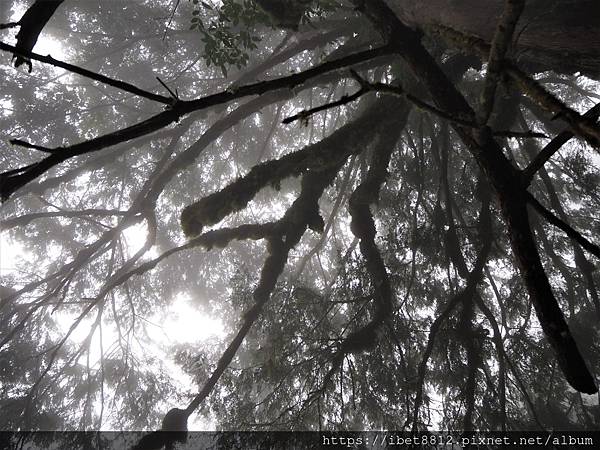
<point x="510" y="192"/>
<point x="558" y="35"/>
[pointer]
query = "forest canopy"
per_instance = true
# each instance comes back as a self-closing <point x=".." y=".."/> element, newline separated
<point x="299" y="215"/>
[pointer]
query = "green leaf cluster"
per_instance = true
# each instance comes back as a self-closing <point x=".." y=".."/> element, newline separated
<point x="228" y="31"/>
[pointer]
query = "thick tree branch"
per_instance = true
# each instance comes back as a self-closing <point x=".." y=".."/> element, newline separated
<point x="363" y="227"/>
<point x="505" y="180"/>
<point x="288" y="232"/>
<point x="341" y="197"/>
<point x="581" y="262"/>
<point x="580" y="125"/>
<point x="184" y="160"/>
<point x="500" y="45"/>
<point x="347" y="140"/>
<point x="291" y="228"/>
<point x="12" y="180"/>
<point x="32" y="22"/>
<point x="98" y="161"/>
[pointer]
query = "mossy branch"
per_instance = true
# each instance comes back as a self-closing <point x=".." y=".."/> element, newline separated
<point x="290" y="229"/>
<point x="363" y="227"/>
<point x="582" y="126"/>
<point x="347" y="140"/>
<point x="500" y="45"/>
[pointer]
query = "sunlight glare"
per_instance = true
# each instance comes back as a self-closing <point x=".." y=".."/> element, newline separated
<point x="11" y="252"/>
<point x="135" y="236"/>
<point x="46" y="45"/>
<point x="186" y="324"/>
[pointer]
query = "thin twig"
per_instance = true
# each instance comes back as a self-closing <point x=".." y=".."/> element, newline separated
<point x="521" y="134"/>
<point x="170" y="19"/>
<point x="174" y="95"/>
<point x="568" y="229"/>
<point x="26" y="144"/>
<point x="552" y="147"/>
<point x="128" y="87"/>
<point x="305" y="114"/>
<point x="399" y="91"/>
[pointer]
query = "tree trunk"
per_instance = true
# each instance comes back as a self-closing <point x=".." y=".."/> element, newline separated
<point x="558" y="35"/>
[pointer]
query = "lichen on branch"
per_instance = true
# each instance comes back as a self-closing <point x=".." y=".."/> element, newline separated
<point x="350" y="139"/>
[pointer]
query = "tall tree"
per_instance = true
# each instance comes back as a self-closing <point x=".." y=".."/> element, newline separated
<point x="388" y="206"/>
